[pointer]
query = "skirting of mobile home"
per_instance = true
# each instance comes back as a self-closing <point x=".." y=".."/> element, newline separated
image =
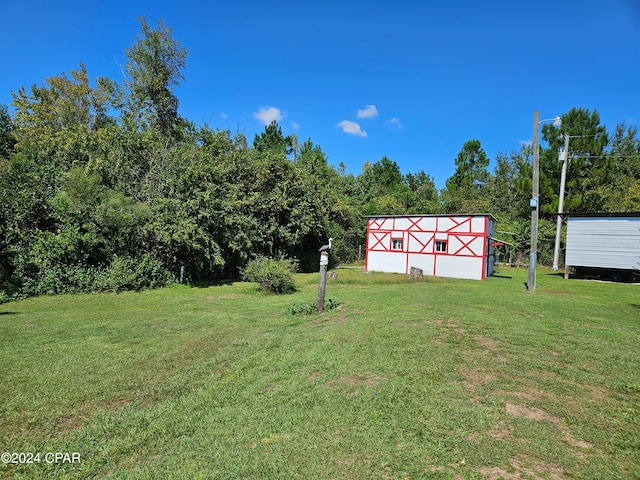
<point x="458" y="246"/>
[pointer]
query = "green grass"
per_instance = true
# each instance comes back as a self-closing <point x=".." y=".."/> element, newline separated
<point x="441" y="378"/>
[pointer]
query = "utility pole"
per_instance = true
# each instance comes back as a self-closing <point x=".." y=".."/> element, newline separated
<point x="534" y="204"/>
<point x="564" y="157"/>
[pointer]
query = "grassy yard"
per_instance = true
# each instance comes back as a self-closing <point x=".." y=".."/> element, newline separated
<point x="435" y="379"/>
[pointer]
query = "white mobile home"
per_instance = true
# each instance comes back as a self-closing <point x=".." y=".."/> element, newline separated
<point x="459" y="246"/>
<point x="608" y="242"/>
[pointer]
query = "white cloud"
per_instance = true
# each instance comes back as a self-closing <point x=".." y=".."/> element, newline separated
<point x="369" y="111"/>
<point x="294" y="125"/>
<point x="353" y="128"/>
<point x="224" y="115"/>
<point x="268" y="114"/>
<point x="395" y="122"/>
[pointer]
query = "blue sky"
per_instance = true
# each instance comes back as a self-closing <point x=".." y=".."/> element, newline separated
<point x="412" y="80"/>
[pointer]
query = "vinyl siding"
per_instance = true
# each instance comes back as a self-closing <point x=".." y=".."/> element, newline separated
<point x="603" y="242"/>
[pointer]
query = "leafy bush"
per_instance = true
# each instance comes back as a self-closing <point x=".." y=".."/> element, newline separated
<point x="304" y="308"/>
<point x="124" y="273"/>
<point x="310" y="308"/>
<point x="272" y="274"/>
<point x="136" y="273"/>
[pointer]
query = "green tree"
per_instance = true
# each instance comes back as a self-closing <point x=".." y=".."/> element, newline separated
<point x="586" y="158"/>
<point x="7" y="138"/>
<point x="7" y="142"/>
<point x="510" y="185"/>
<point x="466" y="190"/>
<point x="154" y="67"/>
<point x="617" y="181"/>
<point x="383" y="189"/>
<point x="272" y="140"/>
<point x="425" y="196"/>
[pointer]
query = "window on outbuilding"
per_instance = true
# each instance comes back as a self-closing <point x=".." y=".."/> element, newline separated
<point x="441" y="246"/>
<point x="396" y="244"/>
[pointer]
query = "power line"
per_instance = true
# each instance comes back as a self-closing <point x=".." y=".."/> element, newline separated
<point x="635" y="155"/>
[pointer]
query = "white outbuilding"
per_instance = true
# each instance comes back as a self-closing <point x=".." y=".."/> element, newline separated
<point x="458" y="246"/>
<point x="606" y="243"/>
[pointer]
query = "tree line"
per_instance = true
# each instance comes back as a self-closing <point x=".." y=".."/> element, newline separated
<point x="104" y="186"/>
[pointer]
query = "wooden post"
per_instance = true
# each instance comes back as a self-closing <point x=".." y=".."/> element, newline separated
<point x="535" y="207"/>
<point x="324" y="261"/>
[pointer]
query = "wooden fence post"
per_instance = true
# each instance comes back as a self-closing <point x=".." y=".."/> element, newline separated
<point x="324" y="261"/>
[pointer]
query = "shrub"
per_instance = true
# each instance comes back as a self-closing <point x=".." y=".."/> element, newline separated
<point x="123" y="273"/>
<point x="310" y="308"/>
<point x="274" y="275"/>
<point x="304" y="308"/>
<point x="136" y="273"/>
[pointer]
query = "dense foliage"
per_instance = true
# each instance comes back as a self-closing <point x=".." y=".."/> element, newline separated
<point x="104" y="186"/>
<point x="274" y="275"/>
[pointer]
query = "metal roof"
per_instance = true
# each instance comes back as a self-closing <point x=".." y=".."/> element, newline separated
<point x="434" y="215"/>
<point x="604" y="215"/>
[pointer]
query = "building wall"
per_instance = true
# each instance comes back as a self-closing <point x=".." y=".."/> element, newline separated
<point x="603" y="242"/>
<point x="395" y="244"/>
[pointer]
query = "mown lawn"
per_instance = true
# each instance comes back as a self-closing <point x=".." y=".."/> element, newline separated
<point x="435" y="379"/>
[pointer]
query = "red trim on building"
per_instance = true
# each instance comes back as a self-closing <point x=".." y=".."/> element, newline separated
<point x="423" y="245"/>
<point x="458" y="232"/>
<point x="380" y="237"/>
<point x="465" y="245"/>
<point x="415" y="224"/>
<point x="457" y="224"/>
<point x="485" y="253"/>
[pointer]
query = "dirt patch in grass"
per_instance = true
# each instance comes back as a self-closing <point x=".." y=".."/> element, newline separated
<point x="477" y="377"/>
<point x="271" y="386"/>
<point x="314" y="375"/>
<point x="367" y="380"/>
<point x="497" y="473"/>
<point x="532" y="393"/>
<point x="533" y="413"/>
<point x="437" y="323"/>
<point x="488" y="343"/>
<point x="588" y="393"/>
<point x="542" y="374"/>
<point x="502" y="431"/>
<point x="337" y="320"/>
<point x="354" y="383"/>
<point x="118" y="404"/>
<point x="523" y="467"/>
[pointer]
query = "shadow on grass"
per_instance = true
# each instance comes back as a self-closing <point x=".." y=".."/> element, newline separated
<point x="500" y="276"/>
<point x="211" y="283"/>
<point x="600" y="274"/>
<point x="8" y="313"/>
<point x="555" y="274"/>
